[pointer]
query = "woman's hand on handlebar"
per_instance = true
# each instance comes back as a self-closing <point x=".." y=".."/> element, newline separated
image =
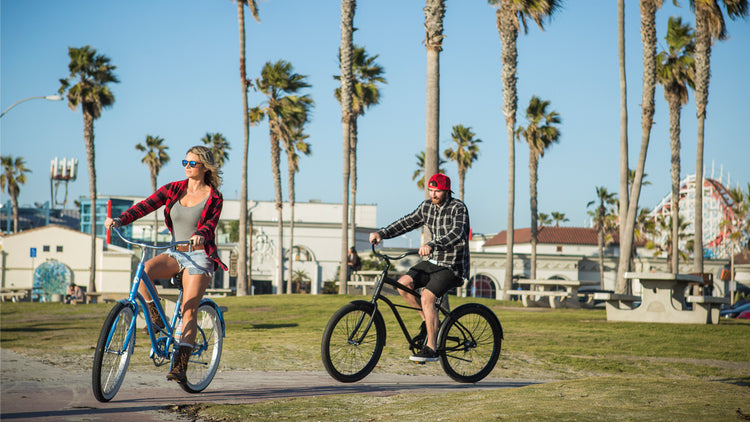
<point x="196" y="240"/>
<point x="375" y="238"/>
<point x="110" y="222"/>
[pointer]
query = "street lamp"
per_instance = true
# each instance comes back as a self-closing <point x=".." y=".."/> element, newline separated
<point x="46" y="97"/>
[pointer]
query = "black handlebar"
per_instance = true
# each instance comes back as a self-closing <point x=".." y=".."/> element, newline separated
<point x="403" y="255"/>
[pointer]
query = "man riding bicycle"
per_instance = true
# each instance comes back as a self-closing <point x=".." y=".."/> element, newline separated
<point x="447" y="265"/>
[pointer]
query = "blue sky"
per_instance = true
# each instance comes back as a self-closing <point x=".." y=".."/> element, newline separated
<point x="179" y="79"/>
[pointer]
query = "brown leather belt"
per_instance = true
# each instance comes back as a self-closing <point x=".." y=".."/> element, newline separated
<point x="188" y="248"/>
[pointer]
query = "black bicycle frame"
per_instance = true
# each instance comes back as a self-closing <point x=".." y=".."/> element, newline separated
<point x="377" y="295"/>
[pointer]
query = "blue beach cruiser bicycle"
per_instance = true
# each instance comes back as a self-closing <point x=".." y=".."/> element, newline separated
<point x="117" y="338"/>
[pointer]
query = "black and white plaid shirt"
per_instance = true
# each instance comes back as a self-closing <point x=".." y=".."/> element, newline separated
<point x="449" y="225"/>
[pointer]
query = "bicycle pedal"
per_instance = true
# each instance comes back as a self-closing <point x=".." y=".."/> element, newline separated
<point x="419" y="363"/>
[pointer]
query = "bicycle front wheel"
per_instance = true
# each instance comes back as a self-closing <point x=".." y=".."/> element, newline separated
<point x="204" y="360"/>
<point x="349" y="352"/>
<point x="112" y="353"/>
<point x="469" y="342"/>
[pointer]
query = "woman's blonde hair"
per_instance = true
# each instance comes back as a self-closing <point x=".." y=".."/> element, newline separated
<point x="213" y="172"/>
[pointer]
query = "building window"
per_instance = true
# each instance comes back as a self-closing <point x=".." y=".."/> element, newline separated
<point x="59" y="248"/>
<point x="484" y="287"/>
<point x="45" y="248"/>
<point x="559" y="248"/>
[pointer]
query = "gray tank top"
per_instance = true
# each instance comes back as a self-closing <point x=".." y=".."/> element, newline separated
<point x="185" y="220"/>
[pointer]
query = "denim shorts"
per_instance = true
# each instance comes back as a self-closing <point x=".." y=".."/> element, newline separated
<point x="196" y="262"/>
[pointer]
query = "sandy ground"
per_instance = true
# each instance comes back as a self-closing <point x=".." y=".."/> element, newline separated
<point x="33" y="391"/>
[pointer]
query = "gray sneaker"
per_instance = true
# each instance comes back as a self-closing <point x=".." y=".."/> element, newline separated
<point x="425" y="355"/>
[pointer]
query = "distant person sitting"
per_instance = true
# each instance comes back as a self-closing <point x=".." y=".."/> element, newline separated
<point x="353" y="263"/>
<point x="74" y="295"/>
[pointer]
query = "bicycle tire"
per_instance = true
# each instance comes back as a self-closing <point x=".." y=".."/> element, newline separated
<point x="469" y="342"/>
<point x="112" y="355"/>
<point x="350" y="361"/>
<point x="209" y="341"/>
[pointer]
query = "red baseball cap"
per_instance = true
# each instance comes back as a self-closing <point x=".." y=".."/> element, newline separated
<point x="440" y="182"/>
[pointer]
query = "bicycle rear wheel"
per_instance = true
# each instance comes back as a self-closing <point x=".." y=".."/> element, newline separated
<point x="469" y="343"/>
<point x="204" y="360"/>
<point x="112" y="354"/>
<point x="347" y="354"/>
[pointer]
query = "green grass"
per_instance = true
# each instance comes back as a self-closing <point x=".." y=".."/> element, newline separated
<point x="598" y="370"/>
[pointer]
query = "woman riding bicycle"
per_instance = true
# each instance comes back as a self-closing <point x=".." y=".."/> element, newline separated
<point x="192" y="208"/>
<point x="447" y="219"/>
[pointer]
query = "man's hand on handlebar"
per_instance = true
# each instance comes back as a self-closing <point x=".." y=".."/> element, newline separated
<point x="425" y="250"/>
<point x="375" y="238"/>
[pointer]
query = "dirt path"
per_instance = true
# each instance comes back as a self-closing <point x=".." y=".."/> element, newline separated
<point x="33" y="391"/>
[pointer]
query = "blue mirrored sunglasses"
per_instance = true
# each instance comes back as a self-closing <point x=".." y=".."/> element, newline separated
<point x="192" y="164"/>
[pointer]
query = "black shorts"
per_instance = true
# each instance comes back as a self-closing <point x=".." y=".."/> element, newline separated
<point x="434" y="278"/>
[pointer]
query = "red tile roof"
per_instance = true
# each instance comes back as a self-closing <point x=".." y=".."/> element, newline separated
<point x="553" y="235"/>
<point x="556" y="235"/>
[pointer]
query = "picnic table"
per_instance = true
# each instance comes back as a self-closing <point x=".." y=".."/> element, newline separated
<point x="15" y="294"/>
<point x="663" y="299"/>
<point x="367" y="278"/>
<point x="558" y="293"/>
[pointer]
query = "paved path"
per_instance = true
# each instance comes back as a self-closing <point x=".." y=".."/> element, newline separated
<point x="33" y="391"/>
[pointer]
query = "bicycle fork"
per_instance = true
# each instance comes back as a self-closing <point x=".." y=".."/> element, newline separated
<point x="357" y="327"/>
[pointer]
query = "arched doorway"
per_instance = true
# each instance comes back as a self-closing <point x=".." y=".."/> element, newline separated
<point x="50" y="278"/>
<point x="485" y="287"/>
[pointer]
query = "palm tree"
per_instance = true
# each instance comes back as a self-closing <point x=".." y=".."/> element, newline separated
<point x="419" y="173"/>
<point x="709" y="26"/>
<point x="539" y="134"/>
<point x="293" y="142"/>
<point x="544" y="219"/>
<point x="92" y="72"/>
<point x="14" y="174"/>
<point x="243" y="258"/>
<point x="466" y="152"/>
<point x="604" y="222"/>
<point x="278" y="82"/>
<point x="674" y="70"/>
<point x="648" y="37"/>
<point x="156" y="156"/>
<point x="347" y="116"/>
<point x="218" y="145"/>
<point x="559" y="217"/>
<point x="624" y="195"/>
<point x="510" y="15"/>
<point x="434" y="12"/>
<point x="367" y="75"/>
<point x="663" y="228"/>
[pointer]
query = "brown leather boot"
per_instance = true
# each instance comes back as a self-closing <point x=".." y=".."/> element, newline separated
<point x="179" y="364"/>
<point x="155" y="318"/>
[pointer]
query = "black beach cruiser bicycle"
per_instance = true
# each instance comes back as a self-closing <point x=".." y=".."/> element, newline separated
<point x="468" y="341"/>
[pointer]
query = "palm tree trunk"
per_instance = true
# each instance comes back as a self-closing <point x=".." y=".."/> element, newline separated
<point x="290" y="181"/>
<point x="347" y="82"/>
<point x="623" y="117"/>
<point x="243" y="261"/>
<point x="509" y="57"/>
<point x="533" y="177"/>
<point x="156" y="214"/>
<point x="674" y="135"/>
<point x="88" y="134"/>
<point x="353" y="181"/>
<point x="14" y="206"/>
<point x="702" y="78"/>
<point x="648" y="35"/>
<point x="600" y="243"/>
<point x="461" y="180"/>
<point x="434" y="12"/>
<point x="275" y="163"/>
